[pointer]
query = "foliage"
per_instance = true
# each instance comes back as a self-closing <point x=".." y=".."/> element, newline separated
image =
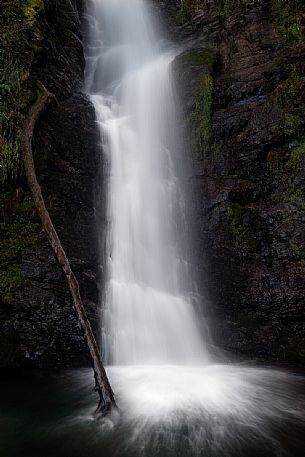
<point x="285" y="167"/>
<point x="289" y="98"/>
<point x="297" y="153"/>
<point x="186" y="8"/>
<point x="287" y="162"/>
<point x="19" y="42"/>
<point x="289" y="19"/>
<point x="17" y="232"/>
<point x="234" y="216"/>
<point x="227" y="6"/>
<point x="201" y="57"/>
<point x="225" y="9"/>
<point x="201" y="117"/>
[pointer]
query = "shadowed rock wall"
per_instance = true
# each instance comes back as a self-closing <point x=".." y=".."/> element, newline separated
<point x="38" y="326"/>
<point x="242" y="82"/>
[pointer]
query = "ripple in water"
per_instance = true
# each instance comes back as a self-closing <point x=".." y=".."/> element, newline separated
<point x="217" y="410"/>
<point x="165" y="411"/>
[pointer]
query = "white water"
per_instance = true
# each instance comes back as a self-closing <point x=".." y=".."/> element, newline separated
<point x="148" y="316"/>
<point x="161" y="372"/>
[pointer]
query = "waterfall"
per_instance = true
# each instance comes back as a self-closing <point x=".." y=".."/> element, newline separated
<point x="148" y="315"/>
<point x="173" y="400"/>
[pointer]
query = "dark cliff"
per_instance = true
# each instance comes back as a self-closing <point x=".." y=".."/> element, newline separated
<point x="242" y="81"/>
<point x="38" y="326"/>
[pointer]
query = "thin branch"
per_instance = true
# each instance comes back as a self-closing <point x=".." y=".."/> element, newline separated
<point x="102" y="385"/>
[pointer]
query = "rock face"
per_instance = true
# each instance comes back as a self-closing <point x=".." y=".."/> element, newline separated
<point x="38" y="326"/>
<point x="242" y="84"/>
<point x="241" y="78"/>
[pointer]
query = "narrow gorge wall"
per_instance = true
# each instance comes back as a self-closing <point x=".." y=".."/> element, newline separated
<point x="38" y="326"/>
<point x="242" y="80"/>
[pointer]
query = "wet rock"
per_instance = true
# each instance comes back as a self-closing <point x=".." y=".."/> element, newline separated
<point x="38" y="326"/>
<point x="246" y="184"/>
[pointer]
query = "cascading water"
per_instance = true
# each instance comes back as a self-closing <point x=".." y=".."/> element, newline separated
<point x="172" y="399"/>
<point x="147" y="318"/>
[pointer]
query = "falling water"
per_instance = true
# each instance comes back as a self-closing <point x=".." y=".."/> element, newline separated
<point x="171" y="396"/>
<point x="148" y="317"/>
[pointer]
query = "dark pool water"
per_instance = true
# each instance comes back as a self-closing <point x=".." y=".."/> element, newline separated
<point x="164" y="412"/>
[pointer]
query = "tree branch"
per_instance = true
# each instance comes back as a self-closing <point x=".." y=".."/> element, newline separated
<point x="102" y="385"/>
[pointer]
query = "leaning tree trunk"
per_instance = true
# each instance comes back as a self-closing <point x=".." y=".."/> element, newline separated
<point x="102" y="384"/>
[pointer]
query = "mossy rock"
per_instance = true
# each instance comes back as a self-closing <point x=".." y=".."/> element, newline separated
<point x="289" y="20"/>
<point x="186" y="9"/>
<point x="201" y="57"/>
<point x="21" y="39"/>
<point x="17" y="232"/>
<point x="284" y="165"/>
<point x="32" y="8"/>
<point x="289" y="99"/>
<point x="228" y="7"/>
<point x="234" y="215"/>
<point x="200" y="120"/>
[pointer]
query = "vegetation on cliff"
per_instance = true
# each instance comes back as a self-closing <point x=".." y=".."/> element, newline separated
<point x="17" y="232"/>
<point x="201" y="117"/>
<point x="249" y="135"/>
<point x="289" y="19"/>
<point x="186" y="8"/>
<point x="20" y="41"/>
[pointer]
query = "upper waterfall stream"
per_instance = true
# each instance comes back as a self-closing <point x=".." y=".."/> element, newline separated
<point x="147" y="315"/>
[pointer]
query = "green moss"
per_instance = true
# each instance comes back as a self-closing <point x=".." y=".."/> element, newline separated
<point x="297" y="250"/>
<point x="289" y="191"/>
<point x="289" y="99"/>
<point x="225" y="9"/>
<point x="17" y="232"/>
<point x="201" y="117"/>
<point x="234" y="213"/>
<point x="285" y="165"/>
<point x="291" y="125"/>
<point x="288" y="92"/>
<point x="288" y="19"/>
<point x="186" y="8"/>
<point x="32" y="9"/>
<point x="204" y="57"/>
<point x="10" y="281"/>
<point x="276" y="163"/>
<point x="296" y="155"/>
<point x="20" y="37"/>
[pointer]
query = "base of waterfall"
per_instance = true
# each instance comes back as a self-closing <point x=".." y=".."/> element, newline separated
<point x="164" y="411"/>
